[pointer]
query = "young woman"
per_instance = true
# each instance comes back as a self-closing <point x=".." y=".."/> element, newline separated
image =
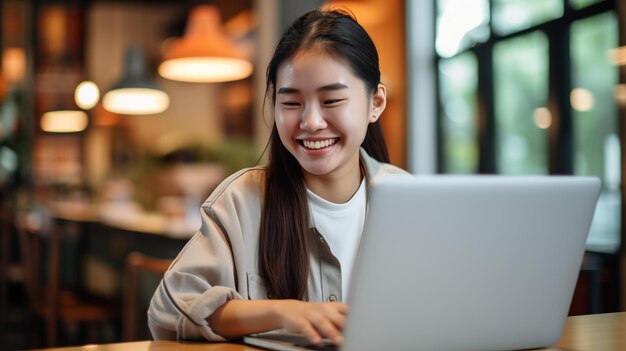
<point x="277" y="242"/>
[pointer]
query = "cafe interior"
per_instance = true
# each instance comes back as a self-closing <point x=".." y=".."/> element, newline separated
<point x="119" y="117"/>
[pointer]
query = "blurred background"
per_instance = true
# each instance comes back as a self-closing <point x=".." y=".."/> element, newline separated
<point x="118" y="118"/>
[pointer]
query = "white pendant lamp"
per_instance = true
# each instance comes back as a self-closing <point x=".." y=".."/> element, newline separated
<point x="66" y="117"/>
<point x="204" y="53"/>
<point x="135" y="94"/>
<point x="64" y="121"/>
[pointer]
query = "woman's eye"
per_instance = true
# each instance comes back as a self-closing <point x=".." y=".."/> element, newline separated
<point x="332" y="101"/>
<point x="291" y="104"/>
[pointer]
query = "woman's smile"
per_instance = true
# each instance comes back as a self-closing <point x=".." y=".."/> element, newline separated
<point x="319" y="144"/>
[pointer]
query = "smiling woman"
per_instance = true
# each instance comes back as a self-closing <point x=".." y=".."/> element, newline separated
<point x="278" y="241"/>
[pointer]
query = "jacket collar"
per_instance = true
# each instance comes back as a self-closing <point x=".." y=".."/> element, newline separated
<point x="370" y="164"/>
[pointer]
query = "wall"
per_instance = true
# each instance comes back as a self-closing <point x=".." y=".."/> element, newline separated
<point x="387" y="28"/>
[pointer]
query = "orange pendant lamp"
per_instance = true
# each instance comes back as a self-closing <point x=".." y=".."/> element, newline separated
<point x="205" y="53"/>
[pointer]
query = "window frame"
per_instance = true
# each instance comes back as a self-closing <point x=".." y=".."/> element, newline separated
<point x="560" y="136"/>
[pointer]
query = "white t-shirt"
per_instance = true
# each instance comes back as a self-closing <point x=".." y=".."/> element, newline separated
<point x="342" y="226"/>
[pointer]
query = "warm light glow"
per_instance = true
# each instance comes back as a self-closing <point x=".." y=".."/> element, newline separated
<point x="205" y="69"/>
<point x="13" y="64"/>
<point x="205" y="53"/>
<point x="136" y="101"/>
<point x="135" y="93"/>
<point x="581" y="99"/>
<point x="86" y="95"/>
<point x="620" y="94"/>
<point x="542" y="117"/>
<point x="368" y="13"/>
<point x="64" y="121"/>
<point x="618" y="56"/>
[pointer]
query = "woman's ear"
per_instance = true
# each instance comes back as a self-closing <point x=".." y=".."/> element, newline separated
<point x="379" y="102"/>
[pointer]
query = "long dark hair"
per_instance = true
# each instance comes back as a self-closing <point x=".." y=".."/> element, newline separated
<point x="283" y="249"/>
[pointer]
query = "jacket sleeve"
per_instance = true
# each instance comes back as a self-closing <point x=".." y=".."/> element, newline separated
<point x="201" y="279"/>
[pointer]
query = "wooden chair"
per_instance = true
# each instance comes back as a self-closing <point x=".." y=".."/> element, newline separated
<point x="134" y="318"/>
<point x="48" y="299"/>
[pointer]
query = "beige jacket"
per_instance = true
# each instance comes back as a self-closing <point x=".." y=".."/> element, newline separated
<point x="219" y="263"/>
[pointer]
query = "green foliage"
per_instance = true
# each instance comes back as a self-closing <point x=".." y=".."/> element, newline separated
<point x="232" y="154"/>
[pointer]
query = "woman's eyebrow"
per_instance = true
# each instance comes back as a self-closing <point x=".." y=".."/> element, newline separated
<point x="334" y="86"/>
<point x="329" y="87"/>
<point x="287" y="90"/>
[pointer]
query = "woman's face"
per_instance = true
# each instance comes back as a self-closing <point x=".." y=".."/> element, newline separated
<point x="322" y="112"/>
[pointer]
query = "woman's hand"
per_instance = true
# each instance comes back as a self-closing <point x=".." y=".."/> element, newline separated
<point x="316" y="320"/>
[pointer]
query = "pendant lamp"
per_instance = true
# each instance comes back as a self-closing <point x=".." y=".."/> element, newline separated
<point x="204" y="53"/>
<point x="135" y="93"/>
<point x="65" y="117"/>
<point x="64" y="121"/>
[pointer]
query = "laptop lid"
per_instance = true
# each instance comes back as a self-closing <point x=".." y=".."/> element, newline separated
<point x="464" y="263"/>
<point x="468" y="262"/>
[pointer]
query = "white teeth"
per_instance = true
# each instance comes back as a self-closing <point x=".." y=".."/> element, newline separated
<point x="318" y="144"/>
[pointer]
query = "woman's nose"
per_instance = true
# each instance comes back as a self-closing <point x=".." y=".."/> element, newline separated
<point x="312" y="120"/>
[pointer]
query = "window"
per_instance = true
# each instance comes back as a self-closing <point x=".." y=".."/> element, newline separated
<point x="596" y="141"/>
<point x="512" y="15"/>
<point x="460" y="24"/>
<point x="579" y="4"/>
<point x="458" y="78"/>
<point x="521" y="97"/>
<point x="526" y="87"/>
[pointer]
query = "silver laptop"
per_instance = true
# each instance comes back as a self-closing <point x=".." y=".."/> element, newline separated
<point x="465" y="263"/>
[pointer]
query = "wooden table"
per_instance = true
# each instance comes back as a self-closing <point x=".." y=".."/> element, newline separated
<point x="594" y="332"/>
<point x="95" y="247"/>
<point x="588" y="333"/>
